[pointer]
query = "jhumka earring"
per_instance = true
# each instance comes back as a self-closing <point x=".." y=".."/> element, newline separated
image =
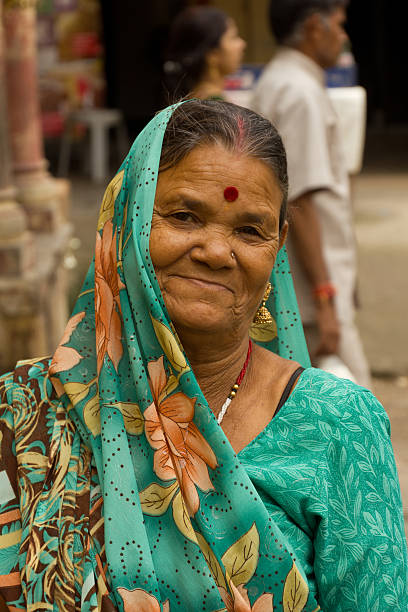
<point x="262" y="314"/>
<point x="263" y="328"/>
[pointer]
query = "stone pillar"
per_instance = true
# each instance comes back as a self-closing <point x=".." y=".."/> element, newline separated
<point x="34" y="231"/>
<point x="33" y="307"/>
<point x="44" y="197"/>
<point x="15" y="251"/>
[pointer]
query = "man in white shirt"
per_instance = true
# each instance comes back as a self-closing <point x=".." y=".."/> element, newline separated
<point x="291" y="93"/>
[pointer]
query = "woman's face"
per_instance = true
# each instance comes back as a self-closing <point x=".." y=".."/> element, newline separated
<point x="228" y="54"/>
<point x="213" y="258"/>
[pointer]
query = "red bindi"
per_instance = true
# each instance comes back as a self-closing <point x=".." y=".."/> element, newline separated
<point x="231" y="194"/>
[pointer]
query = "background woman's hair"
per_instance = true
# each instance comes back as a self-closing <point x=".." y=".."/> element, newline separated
<point x="200" y="122"/>
<point x="195" y="31"/>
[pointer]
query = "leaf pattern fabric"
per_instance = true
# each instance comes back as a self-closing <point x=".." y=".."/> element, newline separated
<point x="117" y="489"/>
<point x="65" y="553"/>
<point x="325" y="470"/>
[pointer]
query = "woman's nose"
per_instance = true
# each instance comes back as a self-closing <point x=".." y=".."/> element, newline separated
<point x="215" y="251"/>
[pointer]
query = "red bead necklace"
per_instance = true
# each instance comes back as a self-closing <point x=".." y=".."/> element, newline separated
<point x="235" y="387"/>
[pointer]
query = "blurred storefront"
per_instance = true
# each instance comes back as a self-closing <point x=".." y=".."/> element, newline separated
<point x="97" y="53"/>
<point x="70" y="60"/>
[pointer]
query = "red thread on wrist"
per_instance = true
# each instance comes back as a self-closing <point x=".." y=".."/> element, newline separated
<point x="324" y="292"/>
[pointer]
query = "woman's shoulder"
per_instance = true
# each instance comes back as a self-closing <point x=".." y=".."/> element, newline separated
<point x="317" y="383"/>
<point x="323" y="418"/>
<point x="339" y="401"/>
<point x="321" y="410"/>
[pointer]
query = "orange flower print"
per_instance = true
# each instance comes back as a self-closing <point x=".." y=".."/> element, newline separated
<point x="241" y="603"/>
<point x="181" y="450"/>
<point x="66" y="357"/>
<point x="108" y="329"/>
<point x="140" y="600"/>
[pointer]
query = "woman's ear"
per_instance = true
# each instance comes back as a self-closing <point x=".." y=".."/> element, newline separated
<point x="283" y="234"/>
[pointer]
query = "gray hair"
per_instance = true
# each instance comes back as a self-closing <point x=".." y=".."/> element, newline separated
<point x="198" y="122"/>
<point x="287" y="17"/>
<point x="296" y="36"/>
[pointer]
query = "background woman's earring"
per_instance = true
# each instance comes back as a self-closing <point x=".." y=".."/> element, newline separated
<point x="263" y="328"/>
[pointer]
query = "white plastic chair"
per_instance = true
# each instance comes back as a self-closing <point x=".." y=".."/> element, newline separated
<point x="98" y="122"/>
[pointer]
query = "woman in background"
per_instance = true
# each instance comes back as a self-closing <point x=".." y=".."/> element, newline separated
<point x="204" y="47"/>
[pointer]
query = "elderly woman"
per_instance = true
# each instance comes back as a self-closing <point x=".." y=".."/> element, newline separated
<point x="203" y="48"/>
<point x="174" y="455"/>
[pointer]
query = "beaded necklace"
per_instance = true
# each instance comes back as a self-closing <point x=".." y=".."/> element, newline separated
<point x="235" y="387"/>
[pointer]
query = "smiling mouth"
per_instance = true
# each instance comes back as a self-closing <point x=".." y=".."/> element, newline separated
<point x="203" y="282"/>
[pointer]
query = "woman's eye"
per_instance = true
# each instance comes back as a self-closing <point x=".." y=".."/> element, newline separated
<point x="248" y="229"/>
<point x="183" y="216"/>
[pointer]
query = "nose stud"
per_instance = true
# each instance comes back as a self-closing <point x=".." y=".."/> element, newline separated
<point x="232" y="254"/>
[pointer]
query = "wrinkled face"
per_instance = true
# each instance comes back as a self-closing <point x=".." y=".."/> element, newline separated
<point x="213" y="258"/>
<point x="332" y="38"/>
<point x="229" y="53"/>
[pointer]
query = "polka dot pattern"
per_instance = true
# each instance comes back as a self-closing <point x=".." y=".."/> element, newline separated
<point x="169" y="533"/>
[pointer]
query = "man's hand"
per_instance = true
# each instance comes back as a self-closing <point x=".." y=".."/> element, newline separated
<point x="329" y="329"/>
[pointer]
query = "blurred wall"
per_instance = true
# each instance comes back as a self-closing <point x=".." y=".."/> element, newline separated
<point x="135" y="34"/>
<point x="378" y="32"/>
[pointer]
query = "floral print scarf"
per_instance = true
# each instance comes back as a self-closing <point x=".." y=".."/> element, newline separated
<point x="184" y="528"/>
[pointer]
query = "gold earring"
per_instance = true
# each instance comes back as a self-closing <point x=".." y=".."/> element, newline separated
<point x="263" y="328"/>
<point x="263" y="315"/>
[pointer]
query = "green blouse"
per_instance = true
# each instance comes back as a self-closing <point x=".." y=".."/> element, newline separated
<point x="325" y="470"/>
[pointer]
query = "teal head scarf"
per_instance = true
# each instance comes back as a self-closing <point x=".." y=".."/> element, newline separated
<point x="183" y="526"/>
